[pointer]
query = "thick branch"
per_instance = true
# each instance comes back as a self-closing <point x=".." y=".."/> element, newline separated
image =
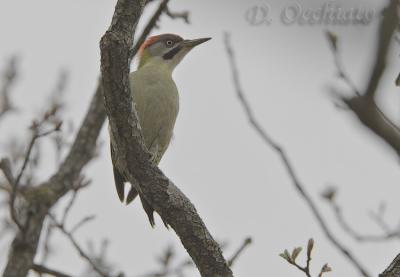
<point x="393" y="269"/>
<point x="364" y="106"/>
<point x="387" y="28"/>
<point x="375" y="120"/>
<point x="133" y="157"/>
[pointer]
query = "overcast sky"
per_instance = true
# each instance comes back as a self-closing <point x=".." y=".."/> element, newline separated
<point x="237" y="183"/>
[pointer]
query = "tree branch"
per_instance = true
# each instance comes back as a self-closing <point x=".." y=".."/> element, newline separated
<point x="82" y="253"/>
<point x="286" y="162"/>
<point x="45" y="270"/>
<point x="240" y="250"/>
<point x="134" y="159"/>
<point x="330" y="196"/>
<point x="41" y="198"/>
<point x="393" y="270"/>
<point x="364" y="106"/>
<point x="9" y="77"/>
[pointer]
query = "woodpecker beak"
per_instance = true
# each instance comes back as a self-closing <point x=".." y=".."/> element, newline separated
<point x="190" y="43"/>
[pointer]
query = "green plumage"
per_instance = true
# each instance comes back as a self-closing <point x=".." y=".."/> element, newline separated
<point x="157" y="103"/>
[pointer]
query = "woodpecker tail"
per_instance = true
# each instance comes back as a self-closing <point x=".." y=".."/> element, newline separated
<point x="149" y="211"/>
<point x="133" y="193"/>
<point x="119" y="180"/>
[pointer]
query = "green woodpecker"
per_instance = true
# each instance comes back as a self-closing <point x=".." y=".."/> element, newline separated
<point x="156" y="99"/>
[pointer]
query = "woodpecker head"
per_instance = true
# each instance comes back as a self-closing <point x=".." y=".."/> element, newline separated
<point x="168" y="49"/>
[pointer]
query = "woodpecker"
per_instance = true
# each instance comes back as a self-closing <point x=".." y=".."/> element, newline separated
<point x="156" y="99"/>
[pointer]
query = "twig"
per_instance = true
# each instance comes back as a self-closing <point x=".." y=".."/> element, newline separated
<point x="15" y="185"/>
<point x="184" y="15"/>
<point x="45" y="270"/>
<point x="166" y="261"/>
<point x="330" y="197"/>
<point x="332" y="38"/>
<point x="244" y="245"/>
<point x="286" y="162"/>
<point x="82" y="253"/>
<point x="82" y="222"/>
<point x="79" y="184"/>
<point x="9" y="78"/>
<point x="291" y="259"/>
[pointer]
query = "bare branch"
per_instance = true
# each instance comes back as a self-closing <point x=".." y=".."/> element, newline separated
<point x="333" y="39"/>
<point x="238" y="252"/>
<point x="45" y="270"/>
<point x="9" y="77"/>
<point x="286" y="162"/>
<point x="36" y="134"/>
<point x="364" y="106"/>
<point x="81" y="252"/>
<point x="82" y="222"/>
<point x="184" y="15"/>
<point x="330" y="196"/>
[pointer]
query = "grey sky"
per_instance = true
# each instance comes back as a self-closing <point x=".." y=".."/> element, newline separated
<point x="237" y="184"/>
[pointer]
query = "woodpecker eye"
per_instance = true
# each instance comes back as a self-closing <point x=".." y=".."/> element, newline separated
<point x="169" y="43"/>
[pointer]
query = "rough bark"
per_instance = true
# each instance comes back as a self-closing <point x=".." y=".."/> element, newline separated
<point x="393" y="270"/>
<point x="133" y="158"/>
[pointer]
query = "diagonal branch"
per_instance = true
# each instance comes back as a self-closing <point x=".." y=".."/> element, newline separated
<point x="173" y="206"/>
<point x="240" y="250"/>
<point x="286" y="162"/>
<point x="45" y="270"/>
<point x="82" y="253"/>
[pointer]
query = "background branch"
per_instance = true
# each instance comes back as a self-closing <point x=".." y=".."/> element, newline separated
<point x="364" y="106"/>
<point x="45" y="270"/>
<point x="40" y="199"/>
<point x="8" y="79"/>
<point x="286" y="162"/>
